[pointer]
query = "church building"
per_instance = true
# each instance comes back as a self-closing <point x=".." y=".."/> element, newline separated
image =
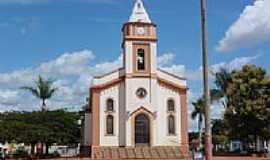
<point x="138" y="105"/>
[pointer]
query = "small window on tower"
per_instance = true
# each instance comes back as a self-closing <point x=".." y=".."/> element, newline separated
<point x="141" y="59"/>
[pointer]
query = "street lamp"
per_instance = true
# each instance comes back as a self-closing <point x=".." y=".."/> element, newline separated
<point x="208" y="136"/>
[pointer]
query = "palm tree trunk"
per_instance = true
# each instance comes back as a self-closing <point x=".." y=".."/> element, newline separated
<point x="32" y="149"/>
<point x="43" y="108"/>
<point x="200" y="131"/>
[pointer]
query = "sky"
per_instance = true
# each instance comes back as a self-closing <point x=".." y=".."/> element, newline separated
<point x="74" y="40"/>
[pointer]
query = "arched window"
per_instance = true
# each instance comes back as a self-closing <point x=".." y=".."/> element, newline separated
<point x="171" y="125"/>
<point x="110" y="105"/>
<point x="171" y="105"/>
<point x="109" y="123"/>
<point x="141" y="59"/>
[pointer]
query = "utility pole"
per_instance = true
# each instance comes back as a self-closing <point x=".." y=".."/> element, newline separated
<point x="208" y="135"/>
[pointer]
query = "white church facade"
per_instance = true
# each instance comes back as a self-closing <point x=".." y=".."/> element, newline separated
<point x="138" y="105"/>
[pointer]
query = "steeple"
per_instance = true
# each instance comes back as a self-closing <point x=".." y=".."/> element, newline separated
<point x="139" y="43"/>
<point x="139" y="13"/>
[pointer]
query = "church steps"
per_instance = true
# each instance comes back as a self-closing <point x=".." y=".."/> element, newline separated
<point x="128" y="153"/>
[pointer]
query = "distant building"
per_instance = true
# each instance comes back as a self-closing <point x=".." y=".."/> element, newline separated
<point x="138" y="105"/>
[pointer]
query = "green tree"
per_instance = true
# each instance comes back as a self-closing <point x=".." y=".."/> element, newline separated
<point x="43" y="90"/>
<point x="49" y="127"/>
<point x="247" y="94"/>
<point x="219" y="132"/>
<point x="199" y="110"/>
<point x="222" y="80"/>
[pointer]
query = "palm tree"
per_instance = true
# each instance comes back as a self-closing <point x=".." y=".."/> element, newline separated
<point x="199" y="113"/>
<point x="43" y="90"/>
<point x="222" y="80"/>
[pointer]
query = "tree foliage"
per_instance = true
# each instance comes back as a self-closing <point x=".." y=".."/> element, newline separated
<point x="246" y="98"/>
<point x="248" y="102"/>
<point x="219" y="132"/>
<point x="48" y="127"/>
<point x="198" y="112"/>
<point x="222" y="80"/>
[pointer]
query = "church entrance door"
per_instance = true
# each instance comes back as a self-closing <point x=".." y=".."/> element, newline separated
<point x="142" y="130"/>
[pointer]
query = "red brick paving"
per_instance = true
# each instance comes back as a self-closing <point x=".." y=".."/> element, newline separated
<point x="158" y="153"/>
<point x="215" y="158"/>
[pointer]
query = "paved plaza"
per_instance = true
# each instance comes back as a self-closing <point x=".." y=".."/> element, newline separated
<point x="215" y="158"/>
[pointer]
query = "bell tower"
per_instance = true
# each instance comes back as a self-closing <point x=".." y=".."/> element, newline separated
<point x="139" y="43"/>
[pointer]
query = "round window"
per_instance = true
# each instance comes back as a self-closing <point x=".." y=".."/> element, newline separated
<point x="141" y="93"/>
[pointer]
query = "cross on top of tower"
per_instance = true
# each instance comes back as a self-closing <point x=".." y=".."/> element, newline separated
<point x="139" y="13"/>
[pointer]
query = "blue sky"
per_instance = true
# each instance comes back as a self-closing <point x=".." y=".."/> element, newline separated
<point x="73" y="40"/>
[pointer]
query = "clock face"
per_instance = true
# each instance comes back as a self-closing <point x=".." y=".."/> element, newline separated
<point x="141" y="93"/>
<point x="140" y="30"/>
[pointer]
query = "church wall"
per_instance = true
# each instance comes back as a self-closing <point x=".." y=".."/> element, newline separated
<point x="128" y="56"/>
<point x="156" y="102"/>
<point x="132" y="100"/>
<point x="134" y="103"/>
<point x="163" y="138"/>
<point x="122" y="116"/>
<point x="109" y="140"/>
<point x="87" y="135"/>
<point x="153" y="57"/>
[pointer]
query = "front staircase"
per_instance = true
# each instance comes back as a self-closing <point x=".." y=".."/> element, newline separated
<point x="126" y="153"/>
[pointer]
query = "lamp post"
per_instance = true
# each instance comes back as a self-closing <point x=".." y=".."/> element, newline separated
<point x="208" y="136"/>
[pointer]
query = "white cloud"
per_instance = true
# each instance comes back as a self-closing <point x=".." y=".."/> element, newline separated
<point x="165" y="62"/>
<point x="165" y="59"/>
<point x="16" y="78"/>
<point x="178" y="70"/>
<point x="72" y="71"/>
<point x="8" y="96"/>
<point x="250" y="29"/>
<point x="104" y="67"/>
<point x="68" y="64"/>
<point x="236" y="63"/>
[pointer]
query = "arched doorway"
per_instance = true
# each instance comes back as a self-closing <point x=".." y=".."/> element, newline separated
<point x="142" y="130"/>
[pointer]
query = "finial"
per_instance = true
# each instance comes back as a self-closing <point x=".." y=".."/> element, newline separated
<point x="139" y="13"/>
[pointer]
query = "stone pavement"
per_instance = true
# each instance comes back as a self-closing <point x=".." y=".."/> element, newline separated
<point x="215" y="158"/>
<point x="158" y="153"/>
